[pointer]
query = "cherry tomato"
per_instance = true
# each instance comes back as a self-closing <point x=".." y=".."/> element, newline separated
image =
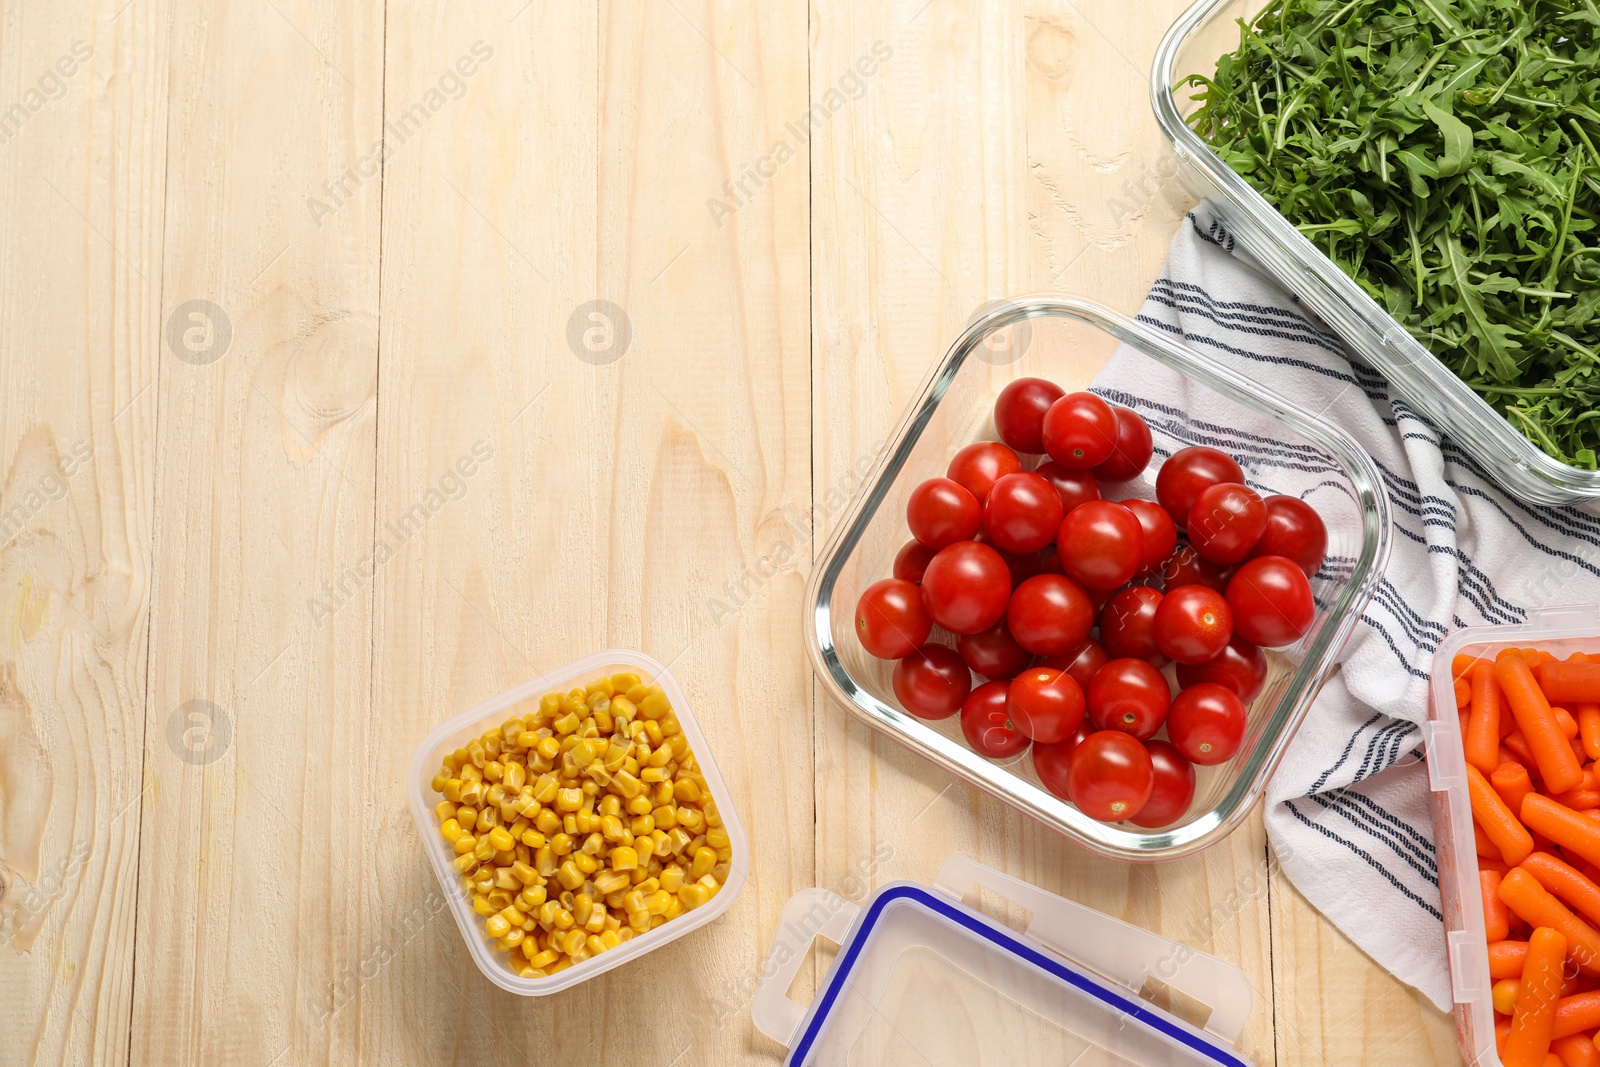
<point x="1101" y="544"/>
<point x="1240" y="666"/>
<point x="1174" y="787"/>
<point x="993" y="653"/>
<point x="1044" y="703"/>
<point x="941" y="512"/>
<point x="1189" y="472"/>
<point x="1226" y="521"/>
<point x="1160" y="533"/>
<point x="1073" y="487"/>
<point x="1133" y="449"/>
<point x="1019" y="413"/>
<point x="1130" y="696"/>
<point x="987" y="727"/>
<point x="966" y="586"/>
<point x="1023" y="513"/>
<point x="1080" y="430"/>
<point x="1022" y="565"/>
<point x="1187" y="567"/>
<point x="978" y="466"/>
<point x="1110" y="776"/>
<point x="1271" y="601"/>
<point x="1127" y="625"/>
<point x="1207" y="723"/>
<point x="1080" y="662"/>
<point x="1051" y="762"/>
<point x="1049" y="614"/>
<point x="1193" y="623"/>
<point x="890" y="619"/>
<point x="912" y="560"/>
<point x="932" y="682"/>
<point x="1295" y="530"/>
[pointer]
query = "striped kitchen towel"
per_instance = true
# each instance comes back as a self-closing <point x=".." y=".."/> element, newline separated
<point x="1347" y="811"/>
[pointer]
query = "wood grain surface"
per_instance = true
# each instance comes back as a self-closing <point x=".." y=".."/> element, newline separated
<point x="362" y="360"/>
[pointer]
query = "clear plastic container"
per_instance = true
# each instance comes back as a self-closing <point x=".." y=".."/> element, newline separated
<point x="1561" y="631"/>
<point x="1204" y="33"/>
<point x="473" y="723"/>
<point x="921" y="978"/>
<point x="1068" y="341"/>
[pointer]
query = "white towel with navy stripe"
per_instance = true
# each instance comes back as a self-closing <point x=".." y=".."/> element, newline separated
<point x="1347" y="811"/>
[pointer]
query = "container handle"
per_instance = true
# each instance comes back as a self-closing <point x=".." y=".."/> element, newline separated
<point x="1128" y="955"/>
<point x="808" y="915"/>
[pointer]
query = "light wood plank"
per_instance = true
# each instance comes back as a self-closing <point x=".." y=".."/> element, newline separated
<point x="251" y="871"/>
<point x="82" y="120"/>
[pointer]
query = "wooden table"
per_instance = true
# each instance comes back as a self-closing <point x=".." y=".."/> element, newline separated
<point x="281" y="273"/>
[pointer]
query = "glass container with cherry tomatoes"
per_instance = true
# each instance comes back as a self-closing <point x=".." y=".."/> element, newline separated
<point x="1110" y="612"/>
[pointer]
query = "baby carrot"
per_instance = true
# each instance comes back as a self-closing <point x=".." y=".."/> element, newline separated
<point x="1579" y="799"/>
<point x="1536" y="906"/>
<point x="1508" y="835"/>
<point x="1496" y="916"/>
<point x="1486" y="849"/>
<point x="1463" y="664"/>
<point x="1482" y="739"/>
<point x="1571" y="830"/>
<point x="1564" y="719"/>
<point x="1511" y="781"/>
<point x="1505" y="958"/>
<point x="1534" y="1014"/>
<point x="1463" y="692"/>
<point x="1518" y="746"/>
<point x="1589" y="728"/>
<point x="1579" y="682"/>
<point x="1566" y="882"/>
<point x="1577" y="1014"/>
<point x="1576" y="1050"/>
<point x="1557" y="765"/>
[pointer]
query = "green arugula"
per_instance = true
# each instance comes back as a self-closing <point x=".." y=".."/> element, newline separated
<point x="1443" y="154"/>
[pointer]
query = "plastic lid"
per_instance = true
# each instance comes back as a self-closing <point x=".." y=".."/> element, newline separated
<point x="920" y="978"/>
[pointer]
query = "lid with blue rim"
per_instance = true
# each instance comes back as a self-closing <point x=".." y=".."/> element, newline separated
<point x="922" y="978"/>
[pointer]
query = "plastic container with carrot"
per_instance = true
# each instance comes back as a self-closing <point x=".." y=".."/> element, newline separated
<point x="1513" y="736"/>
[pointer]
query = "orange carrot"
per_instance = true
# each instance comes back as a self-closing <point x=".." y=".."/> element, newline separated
<point x="1463" y="664"/>
<point x="1589" y="728"/>
<point x="1502" y="1030"/>
<point x="1576" y="1014"/>
<point x="1482" y="739"/>
<point x="1576" y="1050"/>
<point x="1496" y="916"/>
<point x="1511" y="781"/>
<point x="1489" y="863"/>
<point x="1578" y="682"/>
<point x="1508" y="835"/>
<point x="1534" y="1015"/>
<point x="1535" y="904"/>
<point x="1557" y="765"/>
<point x="1570" y="829"/>
<point x="1463" y="692"/>
<point x="1567" y="883"/>
<point x="1487" y="849"/>
<point x="1552" y="1060"/>
<point x="1564" y="719"/>
<point x="1579" y="799"/>
<point x="1505" y="959"/>
<point x="1519" y="748"/>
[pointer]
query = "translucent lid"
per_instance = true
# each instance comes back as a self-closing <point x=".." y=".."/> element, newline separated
<point x="920" y="978"/>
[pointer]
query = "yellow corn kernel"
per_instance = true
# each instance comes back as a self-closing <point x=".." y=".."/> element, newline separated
<point x="690" y="819"/>
<point x="504" y="879"/>
<point x="583" y="753"/>
<point x="672" y="878"/>
<point x="544" y="958"/>
<point x="677" y="840"/>
<point x="642" y="824"/>
<point x="611" y="827"/>
<point x="609" y="939"/>
<point x="694" y="895"/>
<point x="582" y="906"/>
<point x="482" y="906"/>
<point x="484" y="850"/>
<point x="704" y="860"/>
<point x="561" y="844"/>
<point x="569" y="799"/>
<point x="593" y="844"/>
<point x="501" y="839"/>
<point x="563" y="919"/>
<point x="608" y="882"/>
<point x="467" y="817"/>
<point x="663" y="793"/>
<point x="444" y="811"/>
<point x="516" y="776"/>
<point x="450" y="831"/>
<point x="597" y="920"/>
<point x="585" y="863"/>
<point x="548" y="822"/>
<point x="524" y="873"/>
<point x="623" y="858"/>
<point x="452" y="789"/>
<point x="567" y="723"/>
<point x="493" y="771"/>
<point x="472" y="793"/>
<point x="652" y="730"/>
<point x="574" y="941"/>
<point x="645" y="847"/>
<point x="569" y="875"/>
<point x="665" y="816"/>
<point x="717" y="837"/>
<point x="549" y="748"/>
<point x="531" y="898"/>
<point x="639" y="805"/>
<point x="544" y="861"/>
<point x="497" y="926"/>
<point x="627" y="784"/>
<point x="656" y="903"/>
<point x="463" y="844"/>
<point x="534" y="839"/>
<point x="653" y="774"/>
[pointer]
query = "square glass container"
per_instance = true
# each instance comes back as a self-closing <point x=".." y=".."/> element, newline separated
<point x="1193" y="44"/>
<point x="1066" y="340"/>
<point x="474" y="722"/>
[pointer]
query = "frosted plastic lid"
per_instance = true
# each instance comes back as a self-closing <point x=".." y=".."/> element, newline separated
<point x="920" y="978"/>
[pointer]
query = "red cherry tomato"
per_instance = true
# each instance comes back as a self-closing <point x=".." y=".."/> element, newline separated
<point x="1133" y="449"/>
<point x="1207" y="723"/>
<point x="1240" y="666"/>
<point x="1295" y="530"/>
<point x="1049" y="614"/>
<point x="1019" y="413"/>
<point x="993" y="653"/>
<point x="1101" y="544"/>
<point x="1193" y="623"/>
<point x="1127" y="625"/>
<point x="1187" y="567"/>
<point x="1160" y="533"/>
<point x="1044" y="703"/>
<point x="1052" y="762"/>
<point x="932" y="682"/>
<point x="1174" y="787"/>
<point x="941" y="512"/>
<point x="1080" y="430"/>
<point x="1110" y="776"/>
<point x="1023" y="513"/>
<point x="1226" y="521"/>
<point x="912" y="560"/>
<point x="1080" y="662"/>
<point x="1073" y="487"/>
<point x="966" y="587"/>
<point x="1189" y="472"/>
<point x="1022" y="565"/>
<point x="1128" y="695"/>
<point x="890" y="619"/>
<point x="1271" y="601"/>
<point x="987" y="727"/>
<point x="978" y="466"/>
